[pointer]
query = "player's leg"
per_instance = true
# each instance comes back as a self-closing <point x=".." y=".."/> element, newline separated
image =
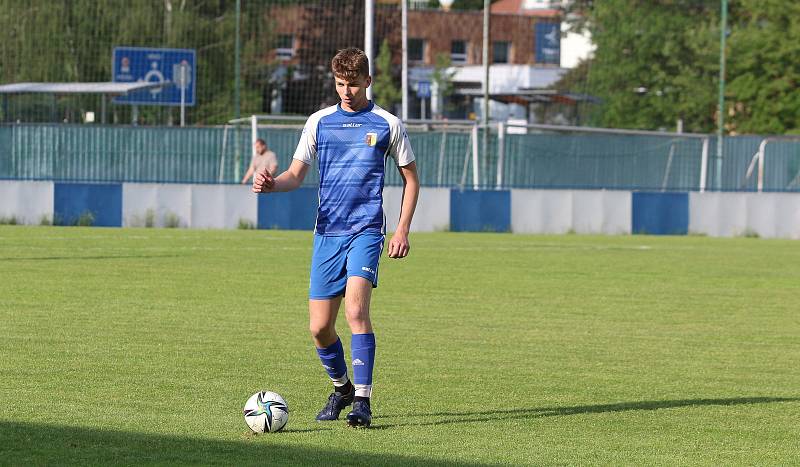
<point x="328" y="279"/>
<point x="362" y="271"/>
<point x="357" y="299"/>
<point x="322" y="324"/>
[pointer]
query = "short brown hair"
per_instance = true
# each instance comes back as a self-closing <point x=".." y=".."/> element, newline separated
<point x="350" y="63"/>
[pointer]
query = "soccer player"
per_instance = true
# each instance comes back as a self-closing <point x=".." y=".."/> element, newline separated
<point x="352" y="142"/>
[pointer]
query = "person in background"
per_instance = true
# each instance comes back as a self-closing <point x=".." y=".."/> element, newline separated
<point x="263" y="158"/>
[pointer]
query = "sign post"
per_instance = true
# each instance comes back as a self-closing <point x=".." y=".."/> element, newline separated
<point x="175" y="68"/>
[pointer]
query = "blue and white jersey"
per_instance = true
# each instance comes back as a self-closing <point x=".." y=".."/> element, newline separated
<point x="352" y="149"/>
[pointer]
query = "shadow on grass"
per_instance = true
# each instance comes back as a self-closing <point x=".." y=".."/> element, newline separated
<point x="489" y="415"/>
<point x="71" y="258"/>
<point x="39" y="444"/>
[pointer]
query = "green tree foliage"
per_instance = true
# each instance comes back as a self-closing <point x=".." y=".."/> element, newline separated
<point x="764" y="67"/>
<point x="658" y="61"/>
<point x="383" y="85"/>
<point x="72" y="40"/>
<point x="442" y="77"/>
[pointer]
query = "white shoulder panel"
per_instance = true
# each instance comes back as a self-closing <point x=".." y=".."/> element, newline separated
<point x="399" y="146"/>
<point x="307" y="147"/>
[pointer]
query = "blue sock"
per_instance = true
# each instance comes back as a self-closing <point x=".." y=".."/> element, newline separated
<point x="363" y="349"/>
<point x="332" y="358"/>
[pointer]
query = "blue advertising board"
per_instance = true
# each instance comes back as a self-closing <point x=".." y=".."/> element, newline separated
<point x="548" y="43"/>
<point x="140" y="64"/>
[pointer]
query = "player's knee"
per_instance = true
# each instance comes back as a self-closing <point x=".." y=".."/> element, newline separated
<point x="320" y="331"/>
<point x="357" y="314"/>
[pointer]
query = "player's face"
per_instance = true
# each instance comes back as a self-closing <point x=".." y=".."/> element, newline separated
<point x="353" y="93"/>
<point x="260" y="148"/>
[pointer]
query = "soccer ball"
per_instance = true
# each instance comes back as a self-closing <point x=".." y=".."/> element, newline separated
<point x="266" y="412"/>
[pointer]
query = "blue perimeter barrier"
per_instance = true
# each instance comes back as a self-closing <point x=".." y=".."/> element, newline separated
<point x="480" y="211"/>
<point x="295" y="210"/>
<point x="769" y="215"/>
<point x="660" y="213"/>
<point x="97" y="203"/>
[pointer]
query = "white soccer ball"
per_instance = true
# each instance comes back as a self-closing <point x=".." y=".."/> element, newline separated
<point x="266" y="412"/>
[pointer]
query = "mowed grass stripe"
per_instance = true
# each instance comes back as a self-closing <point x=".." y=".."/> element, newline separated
<point x="141" y="346"/>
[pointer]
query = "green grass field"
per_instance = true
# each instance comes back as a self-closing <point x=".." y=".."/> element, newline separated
<point x="140" y="346"/>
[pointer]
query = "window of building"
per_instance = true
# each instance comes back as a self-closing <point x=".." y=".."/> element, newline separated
<point x="501" y="52"/>
<point x="539" y="4"/>
<point x="285" y="46"/>
<point x="416" y="50"/>
<point x="458" y="52"/>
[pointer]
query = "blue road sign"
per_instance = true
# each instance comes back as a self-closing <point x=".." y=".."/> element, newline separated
<point x="135" y="64"/>
<point x="423" y="89"/>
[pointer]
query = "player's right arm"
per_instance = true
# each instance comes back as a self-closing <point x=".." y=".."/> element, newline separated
<point x="303" y="156"/>
<point x="292" y="178"/>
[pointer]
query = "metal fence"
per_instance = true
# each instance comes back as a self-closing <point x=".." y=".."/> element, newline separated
<point x="446" y="157"/>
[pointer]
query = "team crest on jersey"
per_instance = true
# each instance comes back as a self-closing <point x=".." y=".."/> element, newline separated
<point x="371" y="139"/>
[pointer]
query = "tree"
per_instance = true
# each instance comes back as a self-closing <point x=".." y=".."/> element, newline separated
<point x="658" y="61"/>
<point x="442" y="77"/>
<point x="763" y="70"/>
<point x="383" y="87"/>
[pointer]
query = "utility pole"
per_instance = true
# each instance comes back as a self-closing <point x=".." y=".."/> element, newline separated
<point x="237" y="111"/>
<point x="485" y="120"/>
<point x="369" y="25"/>
<point x="404" y="47"/>
<point x="721" y="105"/>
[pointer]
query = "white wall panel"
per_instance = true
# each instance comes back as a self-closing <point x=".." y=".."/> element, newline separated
<point x="788" y="221"/>
<point x="432" y="213"/>
<point x="617" y="213"/>
<point x="161" y="204"/>
<point x="222" y="206"/>
<point x="541" y="211"/>
<point x="761" y="215"/>
<point x="28" y="202"/>
<point x="768" y="215"/>
<point x="562" y="211"/>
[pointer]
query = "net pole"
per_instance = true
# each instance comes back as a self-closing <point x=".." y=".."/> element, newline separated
<point x="721" y="104"/>
<point x="404" y="47"/>
<point x="221" y="175"/>
<point x="475" y="168"/>
<point x="369" y="23"/>
<point x="704" y="166"/>
<point x="442" y="146"/>
<point x="501" y="149"/>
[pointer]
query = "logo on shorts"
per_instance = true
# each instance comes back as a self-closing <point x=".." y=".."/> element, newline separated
<point x="371" y="139"/>
<point x="364" y="268"/>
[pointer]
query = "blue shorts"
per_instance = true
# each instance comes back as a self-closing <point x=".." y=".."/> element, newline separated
<point x="336" y="258"/>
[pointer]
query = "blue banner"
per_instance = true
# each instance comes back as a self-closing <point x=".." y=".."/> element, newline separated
<point x="174" y="67"/>
<point x="548" y="43"/>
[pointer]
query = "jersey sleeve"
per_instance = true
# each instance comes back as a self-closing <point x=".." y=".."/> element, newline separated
<point x="307" y="147"/>
<point x="399" y="145"/>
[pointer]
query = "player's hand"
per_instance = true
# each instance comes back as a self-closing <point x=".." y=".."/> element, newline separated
<point x="263" y="182"/>
<point x="398" y="245"/>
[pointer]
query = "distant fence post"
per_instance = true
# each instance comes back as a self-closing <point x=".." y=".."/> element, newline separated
<point x="501" y="152"/>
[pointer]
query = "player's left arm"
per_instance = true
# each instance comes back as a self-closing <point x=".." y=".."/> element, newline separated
<point x="399" y="246"/>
